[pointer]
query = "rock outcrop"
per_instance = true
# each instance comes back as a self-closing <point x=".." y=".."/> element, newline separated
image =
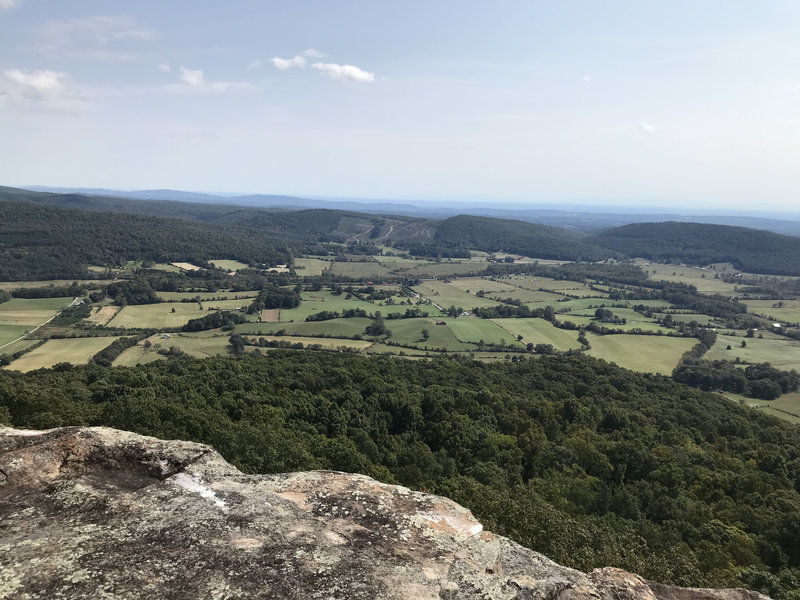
<point x="100" y="513"/>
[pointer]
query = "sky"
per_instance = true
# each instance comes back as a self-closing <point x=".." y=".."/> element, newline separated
<point x="641" y="103"/>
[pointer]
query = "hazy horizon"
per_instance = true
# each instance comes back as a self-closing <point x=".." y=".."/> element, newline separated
<point x="680" y="106"/>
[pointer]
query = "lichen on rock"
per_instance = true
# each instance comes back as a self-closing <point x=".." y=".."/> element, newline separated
<point x="101" y="513"/>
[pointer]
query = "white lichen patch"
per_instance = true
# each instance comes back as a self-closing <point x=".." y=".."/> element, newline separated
<point x="463" y="524"/>
<point x="191" y="484"/>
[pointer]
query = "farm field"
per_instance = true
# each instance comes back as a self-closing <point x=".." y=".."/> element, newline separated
<point x="644" y="353"/>
<point x="789" y="312"/>
<point x="787" y="407"/>
<point x="572" y="288"/>
<point x="13" y="285"/>
<point x="433" y="269"/>
<point x="327" y="343"/>
<point x="315" y="302"/>
<point x="76" y="351"/>
<point x="18" y="316"/>
<point x="203" y="296"/>
<point x="472" y="329"/>
<point x="334" y="328"/>
<point x="409" y="332"/>
<point x="228" y="265"/>
<point x="540" y="331"/>
<point x="101" y="314"/>
<point x="240" y="304"/>
<point x="156" y="316"/>
<point x="780" y="353"/>
<point x="642" y="323"/>
<point x="702" y="279"/>
<point x="359" y="269"/>
<point x="199" y="345"/>
<point x="15" y="346"/>
<point x="310" y="267"/>
<point x="471" y="285"/>
<point x="446" y="295"/>
<point x="9" y="333"/>
<point x="185" y="266"/>
<point x="270" y="315"/>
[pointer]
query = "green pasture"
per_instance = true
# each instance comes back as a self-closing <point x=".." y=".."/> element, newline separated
<point x="702" y="279"/>
<point x="205" y="296"/>
<point x="473" y="329"/>
<point x="789" y="312"/>
<point x="644" y="353"/>
<point x="228" y="265"/>
<point x="787" y="407"/>
<point x="76" y="351"/>
<point x="15" y="346"/>
<point x="327" y="343"/>
<point x="9" y="333"/>
<point x="37" y="304"/>
<point x="540" y="331"/>
<point x="310" y="267"/>
<point x="157" y="316"/>
<point x="409" y="332"/>
<point x="640" y="323"/>
<point x="701" y="318"/>
<point x="446" y="295"/>
<point x="201" y="344"/>
<point x="362" y="270"/>
<point x="442" y="269"/>
<point x="240" y="304"/>
<point x="316" y="302"/>
<point x="472" y="285"/>
<point x="780" y="353"/>
<point x="343" y="328"/>
<point x="13" y="285"/>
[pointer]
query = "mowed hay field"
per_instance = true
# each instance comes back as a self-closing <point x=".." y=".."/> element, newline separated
<point x="76" y="351"/>
<point x="342" y="328"/>
<point x="644" y="353"/>
<point x="18" y="316"/>
<point x="311" y="267"/>
<point x="472" y="329"/>
<point x="156" y="316"/>
<point x="408" y="332"/>
<point x="780" y="353"/>
<point x="202" y="344"/>
<point x="446" y="295"/>
<point x="540" y="331"/>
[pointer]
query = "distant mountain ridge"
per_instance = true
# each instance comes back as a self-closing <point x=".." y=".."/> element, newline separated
<point x="579" y="219"/>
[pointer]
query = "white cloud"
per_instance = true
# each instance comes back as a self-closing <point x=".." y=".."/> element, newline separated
<point x="195" y="80"/>
<point x="282" y="64"/>
<point x="38" y="83"/>
<point x="164" y="67"/>
<point x="107" y="38"/>
<point x="40" y="88"/>
<point x="345" y="72"/>
<point x="191" y="77"/>
<point x="312" y="53"/>
<point x="646" y="127"/>
<point x="6" y="4"/>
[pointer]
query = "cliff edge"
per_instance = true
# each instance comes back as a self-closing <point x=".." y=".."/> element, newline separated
<point x="100" y="513"/>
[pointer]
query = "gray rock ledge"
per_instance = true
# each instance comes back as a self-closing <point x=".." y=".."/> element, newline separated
<point x="100" y="513"/>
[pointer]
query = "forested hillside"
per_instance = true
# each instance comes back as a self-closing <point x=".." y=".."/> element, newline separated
<point x="748" y="249"/>
<point x="589" y="463"/>
<point x="48" y="242"/>
<point x="503" y="235"/>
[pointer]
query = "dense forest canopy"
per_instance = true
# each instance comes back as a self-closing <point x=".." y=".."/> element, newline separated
<point x="589" y="463"/>
<point x="748" y="249"/>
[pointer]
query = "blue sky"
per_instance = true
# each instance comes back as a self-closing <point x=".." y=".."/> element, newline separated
<point x="643" y="103"/>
